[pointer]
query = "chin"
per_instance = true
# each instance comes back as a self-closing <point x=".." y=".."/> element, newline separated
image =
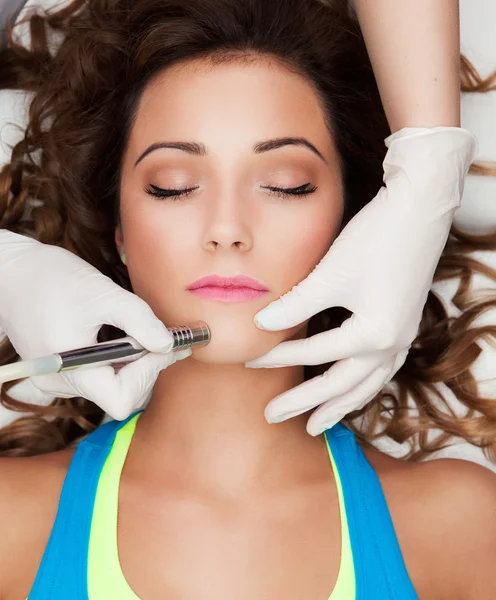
<point x="236" y="348"/>
<point x="235" y="339"/>
<point x="229" y="345"/>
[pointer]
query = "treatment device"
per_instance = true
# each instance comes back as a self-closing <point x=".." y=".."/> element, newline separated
<point x="124" y="349"/>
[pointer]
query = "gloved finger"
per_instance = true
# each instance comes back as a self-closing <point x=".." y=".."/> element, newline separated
<point x="26" y="391"/>
<point x="399" y="361"/>
<point x="298" y="400"/>
<point x="61" y="385"/>
<point x="328" y="346"/>
<point x="54" y="385"/>
<point x="320" y="393"/>
<point x="332" y="411"/>
<point x="132" y="314"/>
<point x="303" y="301"/>
<point x="119" y="394"/>
<point x="182" y="354"/>
<point x="337" y="380"/>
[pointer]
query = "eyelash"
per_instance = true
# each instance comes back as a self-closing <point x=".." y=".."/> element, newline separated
<point x="301" y="190"/>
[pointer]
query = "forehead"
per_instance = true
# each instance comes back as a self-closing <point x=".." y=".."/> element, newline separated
<point x="246" y="99"/>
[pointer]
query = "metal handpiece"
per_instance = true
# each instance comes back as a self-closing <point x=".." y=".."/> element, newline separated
<point x="128" y="349"/>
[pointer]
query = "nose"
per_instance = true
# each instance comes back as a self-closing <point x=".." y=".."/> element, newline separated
<point x="227" y="225"/>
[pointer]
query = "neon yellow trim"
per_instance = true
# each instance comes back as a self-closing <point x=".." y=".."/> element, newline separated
<point x="105" y="577"/>
<point x="345" y="588"/>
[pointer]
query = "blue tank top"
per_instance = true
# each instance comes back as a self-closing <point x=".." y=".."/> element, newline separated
<point x="379" y="570"/>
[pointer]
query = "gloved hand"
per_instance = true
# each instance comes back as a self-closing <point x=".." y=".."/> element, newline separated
<point x="381" y="268"/>
<point x="51" y="300"/>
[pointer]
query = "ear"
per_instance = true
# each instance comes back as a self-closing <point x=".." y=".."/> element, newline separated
<point x="119" y="239"/>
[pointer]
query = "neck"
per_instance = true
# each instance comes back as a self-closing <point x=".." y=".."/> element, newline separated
<point x="205" y="427"/>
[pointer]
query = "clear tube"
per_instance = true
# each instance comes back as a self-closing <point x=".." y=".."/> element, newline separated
<point x="28" y="368"/>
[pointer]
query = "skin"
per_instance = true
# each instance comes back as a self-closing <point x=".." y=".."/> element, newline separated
<point x="414" y="48"/>
<point x="204" y="465"/>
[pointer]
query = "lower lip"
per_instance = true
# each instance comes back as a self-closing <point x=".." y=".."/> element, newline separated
<point x="228" y="294"/>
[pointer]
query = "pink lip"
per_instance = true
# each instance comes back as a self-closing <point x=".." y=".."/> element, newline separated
<point x="228" y="289"/>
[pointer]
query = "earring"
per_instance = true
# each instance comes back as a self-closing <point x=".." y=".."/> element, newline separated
<point x="123" y="257"/>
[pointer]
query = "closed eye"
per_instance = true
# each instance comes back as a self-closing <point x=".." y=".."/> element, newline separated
<point x="301" y="190"/>
<point x="175" y="194"/>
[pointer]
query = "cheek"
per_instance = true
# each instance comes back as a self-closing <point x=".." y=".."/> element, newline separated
<point x="299" y="240"/>
<point x="157" y="253"/>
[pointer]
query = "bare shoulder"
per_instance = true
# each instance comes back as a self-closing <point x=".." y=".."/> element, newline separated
<point x="444" y="513"/>
<point x="29" y="494"/>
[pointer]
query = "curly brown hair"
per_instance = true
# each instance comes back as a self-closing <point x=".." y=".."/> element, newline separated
<point x="85" y="95"/>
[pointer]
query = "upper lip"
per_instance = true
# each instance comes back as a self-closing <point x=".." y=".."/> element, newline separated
<point x="240" y="281"/>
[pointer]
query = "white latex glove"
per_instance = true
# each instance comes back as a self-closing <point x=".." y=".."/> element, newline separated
<point x="381" y="268"/>
<point x="51" y="300"/>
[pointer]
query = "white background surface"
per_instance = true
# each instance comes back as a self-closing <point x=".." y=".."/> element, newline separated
<point x="478" y="211"/>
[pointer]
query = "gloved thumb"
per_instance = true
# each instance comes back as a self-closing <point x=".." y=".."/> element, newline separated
<point x="303" y="301"/>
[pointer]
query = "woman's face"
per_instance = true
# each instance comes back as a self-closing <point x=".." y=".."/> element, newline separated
<point x="231" y="222"/>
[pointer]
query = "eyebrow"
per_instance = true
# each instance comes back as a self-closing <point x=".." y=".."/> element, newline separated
<point x="286" y="141"/>
<point x="197" y="149"/>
